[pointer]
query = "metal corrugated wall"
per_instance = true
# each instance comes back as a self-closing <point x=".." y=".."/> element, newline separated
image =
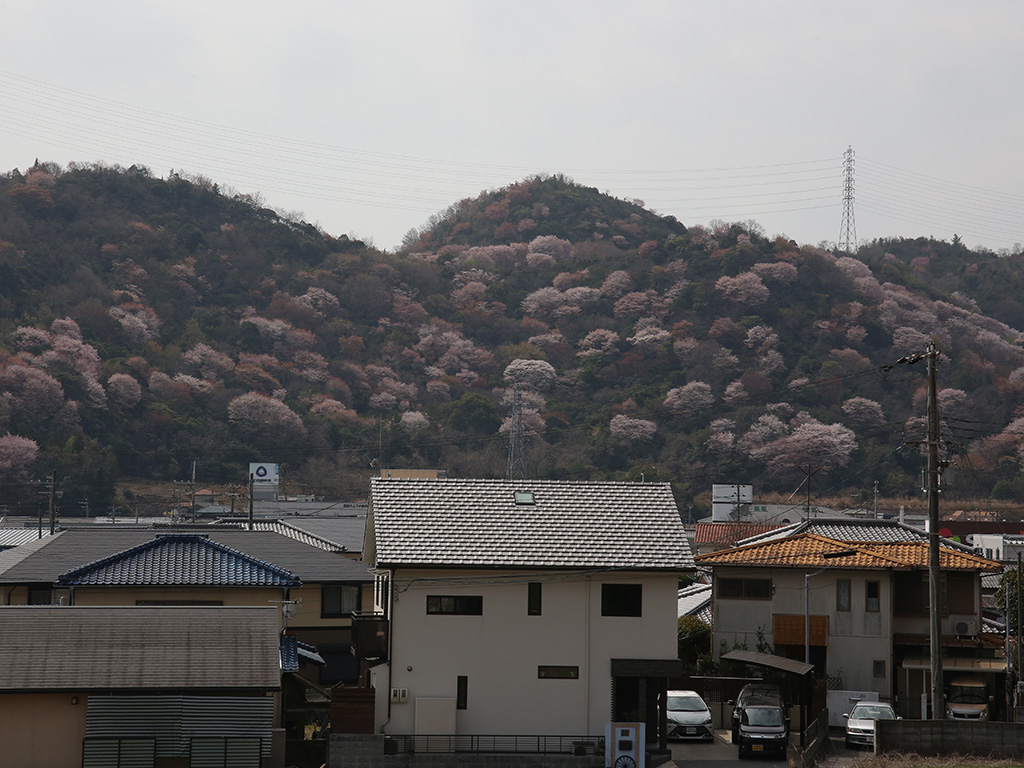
<point x="215" y="731"/>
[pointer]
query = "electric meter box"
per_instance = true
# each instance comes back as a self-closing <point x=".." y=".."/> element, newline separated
<point x="625" y="745"/>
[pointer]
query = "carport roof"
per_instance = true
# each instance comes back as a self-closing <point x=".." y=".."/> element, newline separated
<point x="768" y="660"/>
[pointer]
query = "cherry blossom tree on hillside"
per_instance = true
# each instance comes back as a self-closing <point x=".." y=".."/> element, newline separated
<point x="599" y="342"/>
<point x="746" y="290"/>
<point x="617" y="284"/>
<point x="334" y="411"/>
<point x="537" y="375"/>
<point x="827" y="446"/>
<point x="413" y="421"/>
<point x="648" y="332"/>
<point x="139" y="322"/>
<point x="17" y="458"/>
<point x="208" y="362"/>
<point x="32" y="396"/>
<point x="124" y="390"/>
<point x="30" y="339"/>
<point x="638" y="303"/>
<point x="255" y="414"/>
<point x="629" y="430"/>
<point x="863" y="414"/>
<point x="555" y="247"/>
<point x="690" y="399"/>
<point x="777" y="272"/>
<point x="533" y="423"/>
<point x="767" y="428"/>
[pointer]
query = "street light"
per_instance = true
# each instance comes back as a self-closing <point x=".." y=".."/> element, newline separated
<point x="807" y="597"/>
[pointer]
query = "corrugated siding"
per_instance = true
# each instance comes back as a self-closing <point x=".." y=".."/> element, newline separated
<point x="214" y="731"/>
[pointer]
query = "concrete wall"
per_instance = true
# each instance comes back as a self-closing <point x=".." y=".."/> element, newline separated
<point x="368" y="752"/>
<point x="950" y="737"/>
<point x="43" y="730"/>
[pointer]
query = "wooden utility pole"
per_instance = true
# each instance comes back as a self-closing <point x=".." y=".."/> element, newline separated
<point x="251" y="483"/>
<point x="937" y="697"/>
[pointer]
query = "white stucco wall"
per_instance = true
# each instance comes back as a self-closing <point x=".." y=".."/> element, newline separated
<point x="500" y="651"/>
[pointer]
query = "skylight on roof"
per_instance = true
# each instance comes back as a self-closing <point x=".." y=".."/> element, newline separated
<point x="525" y="497"/>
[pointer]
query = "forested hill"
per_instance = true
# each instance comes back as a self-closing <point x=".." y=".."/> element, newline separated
<point x="146" y="323"/>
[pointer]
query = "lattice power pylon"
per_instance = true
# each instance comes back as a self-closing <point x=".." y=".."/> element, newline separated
<point x="848" y="230"/>
<point x="516" y="467"/>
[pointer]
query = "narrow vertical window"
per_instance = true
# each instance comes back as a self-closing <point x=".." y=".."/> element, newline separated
<point x="533" y="598"/>
<point x="842" y="594"/>
<point x="461" y="691"/>
<point x="871" y="597"/>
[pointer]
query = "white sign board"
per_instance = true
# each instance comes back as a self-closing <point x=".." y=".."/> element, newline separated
<point x="733" y="494"/>
<point x="265" y="474"/>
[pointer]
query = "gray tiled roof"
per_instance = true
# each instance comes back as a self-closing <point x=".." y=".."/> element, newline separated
<point x="178" y="559"/>
<point x="55" y="648"/>
<point x="44" y="560"/>
<point x="844" y="529"/>
<point x="449" y="522"/>
<point x="695" y="600"/>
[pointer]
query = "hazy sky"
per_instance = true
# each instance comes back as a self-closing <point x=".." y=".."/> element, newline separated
<point x="369" y="117"/>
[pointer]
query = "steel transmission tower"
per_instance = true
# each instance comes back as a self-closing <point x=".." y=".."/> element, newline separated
<point x="516" y="467"/>
<point x="848" y="231"/>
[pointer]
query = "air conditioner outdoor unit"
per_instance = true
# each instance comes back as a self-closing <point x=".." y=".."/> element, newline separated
<point x="965" y="627"/>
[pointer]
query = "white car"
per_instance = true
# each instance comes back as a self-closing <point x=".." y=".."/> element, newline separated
<point x="860" y="722"/>
<point x="688" y="716"/>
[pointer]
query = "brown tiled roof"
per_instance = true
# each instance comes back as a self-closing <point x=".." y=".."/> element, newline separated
<point x="808" y="550"/>
<point x="729" y="533"/>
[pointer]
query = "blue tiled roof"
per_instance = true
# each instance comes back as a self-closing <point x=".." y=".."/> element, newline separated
<point x="180" y="559"/>
<point x="292" y="650"/>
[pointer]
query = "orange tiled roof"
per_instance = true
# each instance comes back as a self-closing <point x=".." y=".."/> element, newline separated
<point x="808" y="550"/>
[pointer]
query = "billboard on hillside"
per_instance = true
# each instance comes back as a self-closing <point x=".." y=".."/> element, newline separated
<point x="265" y="474"/>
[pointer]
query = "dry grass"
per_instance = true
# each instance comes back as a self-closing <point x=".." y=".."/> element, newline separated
<point x="948" y="761"/>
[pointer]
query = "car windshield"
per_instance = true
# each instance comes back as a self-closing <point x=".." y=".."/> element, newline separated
<point x="762" y="716"/>
<point x="966" y="694"/>
<point x="686" y="704"/>
<point x="872" y="712"/>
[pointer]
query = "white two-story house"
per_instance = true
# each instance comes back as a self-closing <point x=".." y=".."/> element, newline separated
<point x="524" y="607"/>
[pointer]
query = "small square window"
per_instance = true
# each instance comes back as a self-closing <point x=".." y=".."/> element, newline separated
<point x="524" y="497"/>
<point x="622" y="599"/>
<point x="878" y="668"/>
<point x="338" y="600"/>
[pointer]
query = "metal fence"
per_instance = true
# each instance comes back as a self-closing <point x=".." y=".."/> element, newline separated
<point x="537" y="745"/>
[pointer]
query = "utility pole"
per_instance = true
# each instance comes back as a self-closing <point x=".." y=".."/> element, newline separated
<point x="937" y="697"/>
<point x="251" y="483"/>
<point x="53" y="501"/>
<point x="848" y="230"/>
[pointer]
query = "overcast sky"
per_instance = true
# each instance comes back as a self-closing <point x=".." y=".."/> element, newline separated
<point x="368" y="117"/>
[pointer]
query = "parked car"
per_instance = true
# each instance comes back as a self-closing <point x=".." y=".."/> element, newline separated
<point x="757" y="692"/>
<point x="967" y="698"/>
<point x="763" y="729"/>
<point x="688" y="716"/>
<point x="860" y="722"/>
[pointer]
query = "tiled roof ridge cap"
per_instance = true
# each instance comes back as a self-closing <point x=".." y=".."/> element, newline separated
<point x="502" y="481"/>
<point x="160" y="540"/>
